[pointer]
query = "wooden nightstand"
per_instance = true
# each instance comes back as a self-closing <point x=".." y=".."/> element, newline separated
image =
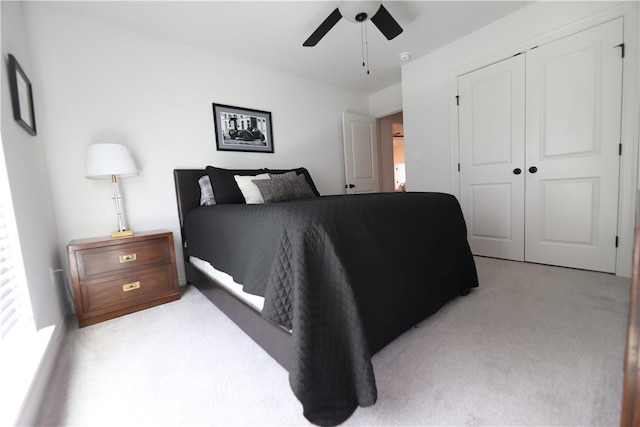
<point x="113" y="277"/>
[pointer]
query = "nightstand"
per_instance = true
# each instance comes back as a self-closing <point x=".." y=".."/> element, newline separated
<point x="114" y="277"/>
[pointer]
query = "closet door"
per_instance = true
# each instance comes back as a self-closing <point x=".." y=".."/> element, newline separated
<point x="491" y="132"/>
<point x="573" y="112"/>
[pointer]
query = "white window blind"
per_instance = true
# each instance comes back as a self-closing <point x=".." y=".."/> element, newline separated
<point x="21" y="347"/>
<point x="15" y="307"/>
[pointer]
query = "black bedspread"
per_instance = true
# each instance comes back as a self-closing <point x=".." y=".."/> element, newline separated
<point x="347" y="274"/>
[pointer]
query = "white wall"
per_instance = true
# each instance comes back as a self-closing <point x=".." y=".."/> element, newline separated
<point x="429" y="88"/>
<point x="29" y="180"/>
<point x="29" y="183"/>
<point x="101" y="83"/>
<point x="387" y="101"/>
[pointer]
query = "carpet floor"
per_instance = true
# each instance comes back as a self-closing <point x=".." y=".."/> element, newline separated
<point x="534" y="345"/>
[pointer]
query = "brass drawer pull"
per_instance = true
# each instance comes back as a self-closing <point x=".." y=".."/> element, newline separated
<point x="130" y="286"/>
<point x="127" y="258"/>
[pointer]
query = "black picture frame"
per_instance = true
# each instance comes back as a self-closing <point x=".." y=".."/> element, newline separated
<point x="21" y="96"/>
<point x="242" y="129"/>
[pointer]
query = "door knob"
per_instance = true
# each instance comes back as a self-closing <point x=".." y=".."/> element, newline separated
<point x="517" y="171"/>
<point x="349" y="186"/>
<point x="533" y="169"/>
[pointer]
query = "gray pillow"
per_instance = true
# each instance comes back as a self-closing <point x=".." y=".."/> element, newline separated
<point x="283" y="189"/>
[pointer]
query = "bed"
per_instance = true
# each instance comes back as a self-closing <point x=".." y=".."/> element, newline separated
<point x="340" y="276"/>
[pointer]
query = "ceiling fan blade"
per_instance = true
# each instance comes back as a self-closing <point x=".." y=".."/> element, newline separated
<point x="386" y="24"/>
<point x="324" y="28"/>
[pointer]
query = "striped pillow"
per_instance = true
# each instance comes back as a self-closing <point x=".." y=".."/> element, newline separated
<point x="206" y="191"/>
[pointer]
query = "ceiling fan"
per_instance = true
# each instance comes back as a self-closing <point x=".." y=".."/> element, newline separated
<point x="358" y="11"/>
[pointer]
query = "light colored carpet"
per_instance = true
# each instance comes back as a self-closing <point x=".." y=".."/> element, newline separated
<point x="533" y="345"/>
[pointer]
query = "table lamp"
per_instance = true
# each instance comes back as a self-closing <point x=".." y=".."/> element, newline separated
<point x="112" y="161"/>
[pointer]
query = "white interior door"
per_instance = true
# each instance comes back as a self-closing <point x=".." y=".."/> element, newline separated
<point x="491" y="117"/>
<point x="573" y="112"/>
<point x="360" y="153"/>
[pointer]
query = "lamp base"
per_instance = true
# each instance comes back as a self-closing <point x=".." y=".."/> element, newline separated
<point x="121" y="234"/>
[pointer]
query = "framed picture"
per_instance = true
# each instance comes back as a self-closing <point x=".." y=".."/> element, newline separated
<point x="21" y="96"/>
<point x="242" y="129"/>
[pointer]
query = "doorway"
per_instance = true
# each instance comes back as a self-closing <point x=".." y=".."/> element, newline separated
<point x="392" y="154"/>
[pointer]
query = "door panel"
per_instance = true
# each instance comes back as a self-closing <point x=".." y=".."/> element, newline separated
<point x="562" y="225"/>
<point x="573" y="112"/>
<point x="360" y="153"/>
<point x="491" y="115"/>
<point x="361" y="135"/>
<point x="491" y="119"/>
<point x="491" y="211"/>
<point x="570" y="97"/>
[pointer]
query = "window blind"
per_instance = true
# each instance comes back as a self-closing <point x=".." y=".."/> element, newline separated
<point x="15" y="306"/>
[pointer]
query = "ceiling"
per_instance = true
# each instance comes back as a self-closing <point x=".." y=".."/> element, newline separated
<point x="271" y="34"/>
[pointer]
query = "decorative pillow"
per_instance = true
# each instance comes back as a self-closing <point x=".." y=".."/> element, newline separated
<point x="283" y="190"/>
<point x="225" y="188"/>
<point x="298" y="171"/>
<point x="206" y="192"/>
<point x="286" y="175"/>
<point x="250" y="191"/>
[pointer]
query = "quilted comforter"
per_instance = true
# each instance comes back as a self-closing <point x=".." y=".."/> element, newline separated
<point x="346" y="274"/>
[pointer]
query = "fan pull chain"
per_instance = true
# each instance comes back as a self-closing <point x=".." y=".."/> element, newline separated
<point x="365" y="45"/>
<point x="362" y="41"/>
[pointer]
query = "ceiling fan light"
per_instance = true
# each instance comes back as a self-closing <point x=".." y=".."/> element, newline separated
<point x="350" y="9"/>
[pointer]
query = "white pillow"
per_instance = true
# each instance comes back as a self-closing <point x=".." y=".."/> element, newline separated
<point x="250" y="191"/>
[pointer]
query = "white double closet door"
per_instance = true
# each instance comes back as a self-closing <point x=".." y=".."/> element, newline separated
<point x="539" y="137"/>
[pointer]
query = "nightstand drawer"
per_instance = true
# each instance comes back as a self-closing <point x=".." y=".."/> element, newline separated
<point x="127" y="291"/>
<point x="93" y="263"/>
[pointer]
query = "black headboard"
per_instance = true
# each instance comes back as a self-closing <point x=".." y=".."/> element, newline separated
<point x="187" y="193"/>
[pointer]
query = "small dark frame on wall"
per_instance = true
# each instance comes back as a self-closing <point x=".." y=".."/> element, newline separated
<point x="21" y="96"/>
<point x="242" y="129"/>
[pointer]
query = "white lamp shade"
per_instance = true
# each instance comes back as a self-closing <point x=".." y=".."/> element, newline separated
<point x="106" y="160"/>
